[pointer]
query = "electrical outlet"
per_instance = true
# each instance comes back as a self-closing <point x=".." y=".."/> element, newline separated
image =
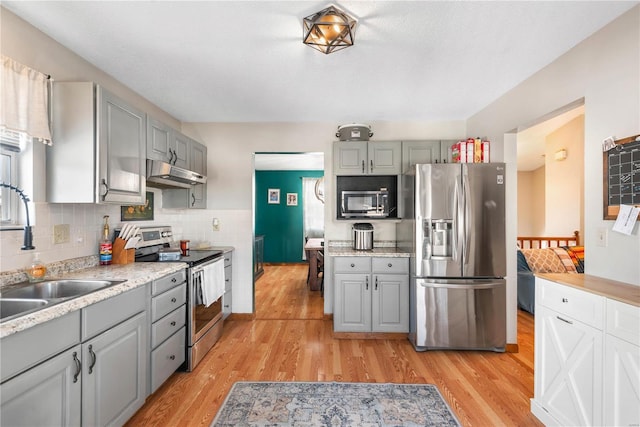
<point x="216" y="224"/>
<point x="602" y="237"/>
<point x="61" y="233"/>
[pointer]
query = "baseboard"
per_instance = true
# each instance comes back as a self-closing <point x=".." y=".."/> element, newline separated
<point x="327" y="316"/>
<point x="370" y="335"/>
<point x="511" y="348"/>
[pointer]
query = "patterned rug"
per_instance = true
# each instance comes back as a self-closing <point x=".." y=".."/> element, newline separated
<point x="333" y="404"/>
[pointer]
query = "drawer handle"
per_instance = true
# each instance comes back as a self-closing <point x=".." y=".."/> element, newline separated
<point x="565" y="320"/>
<point x="389" y="265"/>
<point x="353" y="265"/>
<point x="173" y="299"/>
<point x="172" y="357"/>
<point x="174" y="280"/>
<point x="226" y="306"/>
<point x="226" y="280"/>
<point x="173" y="323"/>
<point x="376" y="283"/>
<point x="565" y="300"/>
<point x="93" y="359"/>
<point x="78" y="367"/>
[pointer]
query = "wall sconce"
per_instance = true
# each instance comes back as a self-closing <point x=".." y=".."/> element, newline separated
<point x="560" y="155"/>
<point x="329" y="30"/>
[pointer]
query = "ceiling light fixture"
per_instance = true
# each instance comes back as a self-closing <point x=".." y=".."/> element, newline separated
<point x="329" y="30"/>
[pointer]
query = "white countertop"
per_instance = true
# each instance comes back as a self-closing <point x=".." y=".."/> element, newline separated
<point x="135" y="274"/>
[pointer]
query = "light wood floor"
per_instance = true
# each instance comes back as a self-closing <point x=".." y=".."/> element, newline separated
<point x="290" y="341"/>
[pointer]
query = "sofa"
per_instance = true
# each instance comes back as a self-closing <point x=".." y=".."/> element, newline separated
<point x="564" y="259"/>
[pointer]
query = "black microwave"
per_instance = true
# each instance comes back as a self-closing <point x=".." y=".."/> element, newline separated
<point x="364" y="204"/>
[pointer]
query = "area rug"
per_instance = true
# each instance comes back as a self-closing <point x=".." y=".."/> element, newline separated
<point x="333" y="404"/>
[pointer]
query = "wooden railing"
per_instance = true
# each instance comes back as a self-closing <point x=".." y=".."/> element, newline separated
<point x="548" y="242"/>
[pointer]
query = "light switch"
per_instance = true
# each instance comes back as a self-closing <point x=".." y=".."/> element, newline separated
<point x="602" y="237"/>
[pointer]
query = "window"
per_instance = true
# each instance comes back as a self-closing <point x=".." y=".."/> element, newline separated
<point x="9" y="200"/>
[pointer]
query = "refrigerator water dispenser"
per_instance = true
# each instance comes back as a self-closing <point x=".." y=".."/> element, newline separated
<point x="441" y="237"/>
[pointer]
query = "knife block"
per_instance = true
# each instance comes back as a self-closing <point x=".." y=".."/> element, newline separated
<point x="120" y="255"/>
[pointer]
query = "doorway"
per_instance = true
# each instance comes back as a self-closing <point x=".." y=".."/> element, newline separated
<point x="280" y="206"/>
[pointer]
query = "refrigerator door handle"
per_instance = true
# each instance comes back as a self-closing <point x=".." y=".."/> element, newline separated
<point x="456" y="229"/>
<point x="450" y="285"/>
<point x="467" y="216"/>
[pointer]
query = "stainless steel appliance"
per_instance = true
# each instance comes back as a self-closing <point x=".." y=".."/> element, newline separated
<point x="204" y="323"/>
<point x="455" y="228"/>
<point x="365" y="204"/>
<point x="362" y="236"/>
<point x="165" y="175"/>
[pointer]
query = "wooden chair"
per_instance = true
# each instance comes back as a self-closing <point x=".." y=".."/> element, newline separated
<point x="321" y="271"/>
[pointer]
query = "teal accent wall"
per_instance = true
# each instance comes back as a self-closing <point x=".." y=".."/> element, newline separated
<point x="281" y="224"/>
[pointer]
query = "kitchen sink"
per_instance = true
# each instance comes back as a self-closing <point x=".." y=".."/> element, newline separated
<point x="12" y="307"/>
<point x="27" y="297"/>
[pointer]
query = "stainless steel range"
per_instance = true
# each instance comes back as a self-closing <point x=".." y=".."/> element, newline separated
<point x="204" y="310"/>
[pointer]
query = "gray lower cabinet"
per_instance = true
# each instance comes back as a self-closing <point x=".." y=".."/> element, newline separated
<point x="227" y="305"/>
<point x="49" y="394"/>
<point x="168" y="331"/>
<point x="88" y="367"/>
<point x="371" y="294"/>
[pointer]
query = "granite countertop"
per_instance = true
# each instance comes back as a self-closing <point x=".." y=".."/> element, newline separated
<point x="380" y="249"/>
<point x="135" y="274"/>
<point x="611" y="289"/>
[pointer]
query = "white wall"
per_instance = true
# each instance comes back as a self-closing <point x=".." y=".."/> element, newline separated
<point x="531" y="202"/>
<point x="605" y="70"/>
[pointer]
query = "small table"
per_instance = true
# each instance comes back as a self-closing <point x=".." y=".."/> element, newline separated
<point x="312" y="247"/>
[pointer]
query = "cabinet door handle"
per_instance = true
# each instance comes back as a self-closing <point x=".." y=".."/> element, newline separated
<point x="371" y="166"/>
<point x="93" y="359"/>
<point x="389" y="265"/>
<point x="78" y="366"/>
<point x="352" y="265"/>
<point x="366" y="283"/>
<point x="376" y="288"/>
<point x="173" y="323"/>
<point x="565" y="320"/>
<point x="106" y="188"/>
<point x="363" y="166"/>
<point x="173" y="299"/>
<point x="193" y="199"/>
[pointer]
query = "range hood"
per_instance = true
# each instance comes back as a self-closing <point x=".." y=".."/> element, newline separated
<point x="164" y="175"/>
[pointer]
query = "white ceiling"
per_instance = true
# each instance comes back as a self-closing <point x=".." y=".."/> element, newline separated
<point x="244" y="61"/>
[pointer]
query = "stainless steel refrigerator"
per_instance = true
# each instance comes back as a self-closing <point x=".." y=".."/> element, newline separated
<point x="454" y="225"/>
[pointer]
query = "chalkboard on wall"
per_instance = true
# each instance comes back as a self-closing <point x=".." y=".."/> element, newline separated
<point x="621" y="176"/>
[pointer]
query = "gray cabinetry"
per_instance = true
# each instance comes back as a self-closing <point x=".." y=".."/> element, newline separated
<point x="195" y="197"/>
<point x="428" y="151"/>
<point x="227" y="297"/>
<point x="88" y="367"/>
<point x="168" y="316"/>
<point x="166" y="144"/>
<point x="367" y="158"/>
<point x="371" y="294"/>
<point x="100" y="147"/>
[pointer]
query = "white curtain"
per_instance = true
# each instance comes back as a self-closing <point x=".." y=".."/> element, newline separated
<point x="313" y="210"/>
<point x="25" y="101"/>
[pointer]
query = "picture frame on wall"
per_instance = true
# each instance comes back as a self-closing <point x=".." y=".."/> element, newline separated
<point x="273" y="197"/>
<point x="138" y="212"/>
<point x="292" y="199"/>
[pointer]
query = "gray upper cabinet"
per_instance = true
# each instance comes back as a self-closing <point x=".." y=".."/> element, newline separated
<point x="167" y="144"/>
<point x="429" y="151"/>
<point x="367" y="158"/>
<point x="194" y="197"/>
<point x="99" y="147"/>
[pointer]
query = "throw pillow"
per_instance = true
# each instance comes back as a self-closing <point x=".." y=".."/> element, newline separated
<point x="543" y="261"/>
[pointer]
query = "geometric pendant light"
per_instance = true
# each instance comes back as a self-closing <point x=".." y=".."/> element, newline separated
<point x="329" y="30"/>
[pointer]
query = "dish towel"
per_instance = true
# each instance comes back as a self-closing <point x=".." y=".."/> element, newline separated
<point x="212" y="285"/>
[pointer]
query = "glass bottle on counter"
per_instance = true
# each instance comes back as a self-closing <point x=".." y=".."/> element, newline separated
<point x="106" y="247"/>
<point x="38" y="270"/>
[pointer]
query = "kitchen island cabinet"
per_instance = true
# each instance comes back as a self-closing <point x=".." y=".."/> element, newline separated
<point x="587" y="353"/>
<point x="100" y="147"/>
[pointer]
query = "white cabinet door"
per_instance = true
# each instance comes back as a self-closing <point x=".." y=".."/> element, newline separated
<point x="353" y="303"/>
<point x="48" y="394"/>
<point x="122" y="144"/>
<point x="114" y="373"/>
<point x="568" y="367"/>
<point x="621" y="383"/>
<point x="390" y="303"/>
